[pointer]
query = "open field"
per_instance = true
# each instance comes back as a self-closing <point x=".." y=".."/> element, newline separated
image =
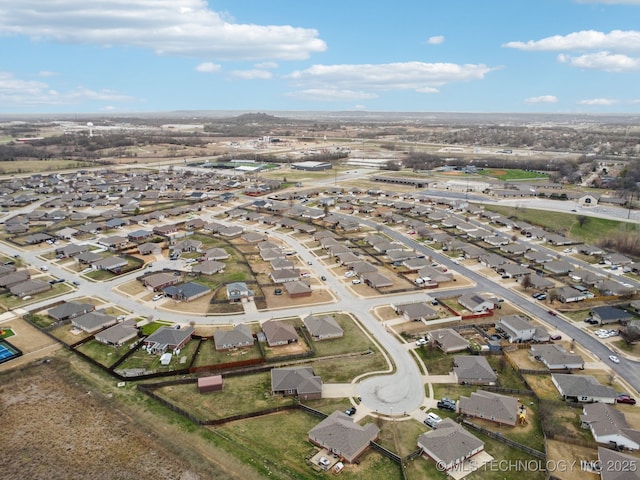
<point x="86" y="434"/>
<point x="35" y="166"/>
<point x="592" y="230"/>
<point x="512" y="174"/>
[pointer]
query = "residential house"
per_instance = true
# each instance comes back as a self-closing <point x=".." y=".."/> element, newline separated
<point x="168" y="339"/>
<point x="13" y="278"/>
<point x="473" y="370"/>
<point x="517" y="328"/>
<point x="69" y="310"/>
<point x="29" y="287"/>
<point x="476" y="303"/>
<point x="323" y="328"/>
<point x="341" y="436"/>
<point x="490" y="406"/>
<point x="449" y="445"/>
<point x="118" y="334"/>
<point x="238" y="337"/>
<point x="239" y="291"/>
<point x="559" y="267"/>
<point x="416" y="312"/>
<point x="149" y="248"/>
<point x="448" y="340"/>
<point x="208" y="267"/>
<point x="285" y="275"/>
<point x="93" y="321"/>
<point x="607" y="314"/>
<point x="610" y="462"/>
<point x="609" y="426"/>
<point x="112" y="264"/>
<point x="298" y="381"/>
<point x="376" y="280"/>
<point x="214" y="254"/>
<point x="583" y="388"/>
<point x="158" y="281"/>
<point x="279" y="333"/>
<point x="556" y="357"/>
<point x="570" y="294"/>
<point x="185" y="292"/>
<point x="297" y="289"/>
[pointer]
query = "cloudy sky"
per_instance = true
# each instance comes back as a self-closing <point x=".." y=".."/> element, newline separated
<point x="557" y="56"/>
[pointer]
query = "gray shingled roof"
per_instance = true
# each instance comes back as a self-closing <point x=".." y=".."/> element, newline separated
<point x="449" y="442"/>
<point x="340" y="433"/>
<point x="301" y="380"/>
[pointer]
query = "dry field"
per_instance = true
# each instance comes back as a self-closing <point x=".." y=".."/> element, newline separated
<point x="56" y="426"/>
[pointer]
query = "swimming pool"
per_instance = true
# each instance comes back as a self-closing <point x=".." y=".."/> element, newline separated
<point x="8" y="351"/>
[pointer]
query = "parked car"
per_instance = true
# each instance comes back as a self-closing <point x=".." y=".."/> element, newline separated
<point x="625" y="398"/>
<point x="551" y="312"/>
<point x="556" y="337"/>
<point x="432" y="420"/>
<point x="350" y="411"/>
<point x="420" y="342"/>
<point x="323" y="278"/>
<point x="76" y="282"/>
<point x="542" y="296"/>
<point x="157" y="297"/>
<point x="356" y="281"/>
<point x="44" y="268"/>
<point x="277" y="291"/>
<point x="447" y="404"/>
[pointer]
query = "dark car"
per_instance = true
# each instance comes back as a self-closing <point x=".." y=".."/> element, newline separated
<point x="350" y="411"/>
<point x="323" y="278"/>
<point x="625" y="398"/>
<point x="551" y="312"/>
<point x="556" y="337"/>
<point x="447" y="404"/>
<point x="277" y="291"/>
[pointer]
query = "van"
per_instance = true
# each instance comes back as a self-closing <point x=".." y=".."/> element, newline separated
<point x="432" y="420"/>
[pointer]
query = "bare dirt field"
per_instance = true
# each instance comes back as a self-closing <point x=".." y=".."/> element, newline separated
<point x="56" y="426"/>
<point x="563" y="455"/>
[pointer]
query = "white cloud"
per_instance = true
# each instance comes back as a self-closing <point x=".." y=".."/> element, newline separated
<point x="602" y="61"/>
<point x="252" y="74"/>
<point x="18" y="93"/>
<point x="616" y="40"/>
<point x="46" y="73"/>
<point x="169" y="27"/>
<point x="435" y="40"/>
<point x="598" y="101"/>
<point x="542" y="99"/>
<point x="208" y="67"/>
<point x="427" y="90"/>
<point x="415" y="76"/>
<point x="266" y="65"/>
<point x="331" y="95"/>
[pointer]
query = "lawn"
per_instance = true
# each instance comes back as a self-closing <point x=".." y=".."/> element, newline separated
<point x="277" y="446"/>
<point x="150" y="363"/>
<point x="341" y="370"/>
<point x="593" y="228"/>
<point x="512" y="174"/>
<point x="436" y="361"/>
<point x="6" y="332"/>
<point x="104" y="354"/>
<point x="543" y="386"/>
<point x="208" y="355"/>
<point x="353" y="340"/>
<point x="11" y="302"/>
<point x="33" y="166"/>
<point x="401" y="437"/>
<point x="240" y="395"/>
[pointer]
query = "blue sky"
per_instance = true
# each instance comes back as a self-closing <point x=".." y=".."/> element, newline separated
<point x="123" y="56"/>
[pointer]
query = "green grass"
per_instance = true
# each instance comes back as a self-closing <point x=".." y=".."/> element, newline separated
<point x="512" y="174"/>
<point x="593" y="228"/>
<point x="6" y="332"/>
<point x="437" y="362"/>
<point x="353" y="339"/>
<point x="104" y="354"/>
<point x="242" y="394"/>
<point x="277" y="446"/>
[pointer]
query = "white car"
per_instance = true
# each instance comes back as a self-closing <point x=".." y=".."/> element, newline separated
<point x="157" y="297"/>
<point x="356" y="281"/>
<point x="614" y="359"/>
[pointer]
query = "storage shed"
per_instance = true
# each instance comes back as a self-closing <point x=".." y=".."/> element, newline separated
<point x="212" y="383"/>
